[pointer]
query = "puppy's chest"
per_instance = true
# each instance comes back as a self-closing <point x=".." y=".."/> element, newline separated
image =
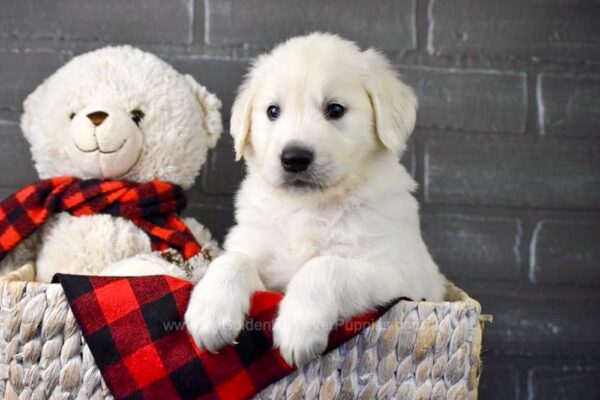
<point x="305" y="237"/>
<point x="299" y="238"/>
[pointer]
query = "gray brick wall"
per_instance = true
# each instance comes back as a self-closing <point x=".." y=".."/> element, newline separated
<point x="550" y="29"/>
<point x="496" y="99"/>
<point x="506" y="153"/>
<point x="569" y="105"/>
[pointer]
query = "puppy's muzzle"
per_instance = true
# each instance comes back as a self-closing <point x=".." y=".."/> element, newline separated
<point x="296" y="159"/>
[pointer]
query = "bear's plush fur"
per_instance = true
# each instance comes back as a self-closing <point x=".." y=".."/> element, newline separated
<point x="114" y="113"/>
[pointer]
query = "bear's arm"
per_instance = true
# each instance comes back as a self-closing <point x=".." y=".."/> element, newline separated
<point x="156" y="264"/>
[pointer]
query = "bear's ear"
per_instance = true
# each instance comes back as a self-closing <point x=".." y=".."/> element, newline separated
<point x="394" y="104"/>
<point x="210" y="105"/>
<point x="31" y="106"/>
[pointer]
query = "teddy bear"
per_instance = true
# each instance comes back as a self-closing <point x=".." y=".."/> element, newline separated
<point x="116" y="114"/>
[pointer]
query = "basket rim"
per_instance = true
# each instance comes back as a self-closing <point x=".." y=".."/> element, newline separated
<point x="23" y="277"/>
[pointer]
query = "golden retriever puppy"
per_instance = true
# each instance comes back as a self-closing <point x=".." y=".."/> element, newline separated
<point x="325" y="212"/>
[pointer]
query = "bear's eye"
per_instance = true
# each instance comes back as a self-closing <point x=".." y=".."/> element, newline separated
<point x="273" y="112"/>
<point x="334" y="111"/>
<point x="72" y="115"/>
<point x="137" y="116"/>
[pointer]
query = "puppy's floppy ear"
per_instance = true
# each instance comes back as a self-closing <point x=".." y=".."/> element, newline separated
<point x="210" y="105"/>
<point x="241" y="117"/>
<point x="394" y="104"/>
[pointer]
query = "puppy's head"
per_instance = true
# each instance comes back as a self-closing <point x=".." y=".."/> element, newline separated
<point x="312" y="113"/>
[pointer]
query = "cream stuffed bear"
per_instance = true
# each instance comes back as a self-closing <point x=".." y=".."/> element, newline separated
<point x="114" y="113"/>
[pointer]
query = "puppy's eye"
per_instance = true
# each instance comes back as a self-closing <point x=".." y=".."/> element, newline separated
<point x="137" y="116"/>
<point x="72" y="115"/>
<point x="273" y="112"/>
<point x="334" y="111"/>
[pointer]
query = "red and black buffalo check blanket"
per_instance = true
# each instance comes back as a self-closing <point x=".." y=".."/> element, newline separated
<point x="135" y="332"/>
<point x="153" y="206"/>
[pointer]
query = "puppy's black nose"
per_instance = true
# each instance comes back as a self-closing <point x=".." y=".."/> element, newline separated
<point x="296" y="159"/>
<point x="97" y="117"/>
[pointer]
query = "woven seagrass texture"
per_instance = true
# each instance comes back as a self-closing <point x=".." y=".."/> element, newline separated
<point x="416" y="350"/>
<point x="42" y="352"/>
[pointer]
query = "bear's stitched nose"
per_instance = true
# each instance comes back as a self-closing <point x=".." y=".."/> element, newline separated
<point x="97" y="117"/>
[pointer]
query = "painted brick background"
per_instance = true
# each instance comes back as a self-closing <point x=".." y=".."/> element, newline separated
<point x="506" y="153"/>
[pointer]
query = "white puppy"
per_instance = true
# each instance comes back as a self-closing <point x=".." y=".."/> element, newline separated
<point x="325" y="212"/>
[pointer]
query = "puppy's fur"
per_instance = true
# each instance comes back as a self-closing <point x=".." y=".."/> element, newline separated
<point x="339" y="238"/>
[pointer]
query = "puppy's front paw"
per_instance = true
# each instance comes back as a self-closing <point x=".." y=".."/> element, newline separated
<point x="220" y="302"/>
<point x="215" y="319"/>
<point x="301" y="333"/>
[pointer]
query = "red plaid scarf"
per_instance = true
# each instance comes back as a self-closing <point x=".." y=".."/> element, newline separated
<point x="135" y="332"/>
<point x="152" y="206"/>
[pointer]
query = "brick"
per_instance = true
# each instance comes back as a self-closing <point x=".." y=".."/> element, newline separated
<point x="569" y="106"/>
<point x="110" y="20"/>
<point x="474" y="248"/>
<point x="566" y="382"/>
<point x="221" y="174"/>
<point x="505" y="172"/>
<point x="388" y="25"/>
<point x="552" y="29"/>
<point x="477" y="100"/>
<point x="566" y="252"/>
<point x="499" y="382"/>
<point x="21" y="72"/>
<point x="16" y="165"/>
<point x="552" y="324"/>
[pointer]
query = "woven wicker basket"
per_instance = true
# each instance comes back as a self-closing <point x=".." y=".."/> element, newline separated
<point x="416" y="350"/>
